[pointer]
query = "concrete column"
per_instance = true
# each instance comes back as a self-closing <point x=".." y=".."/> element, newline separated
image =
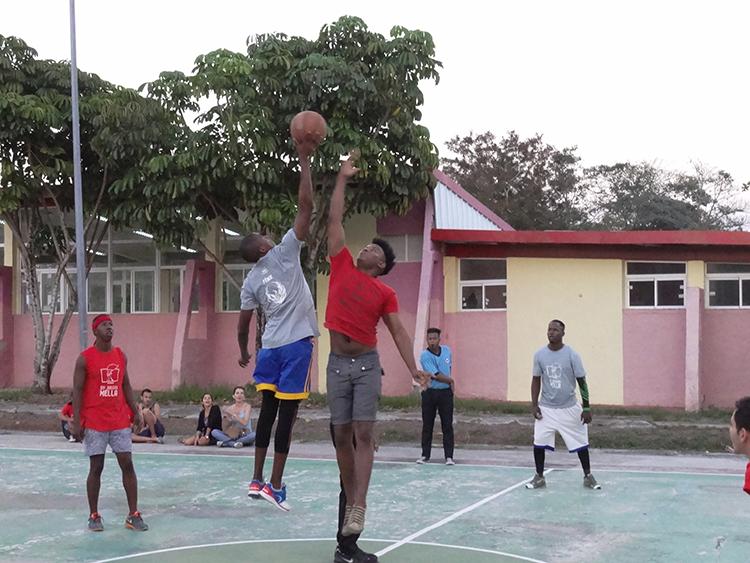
<point x="6" y="326"/>
<point x="693" y="316"/>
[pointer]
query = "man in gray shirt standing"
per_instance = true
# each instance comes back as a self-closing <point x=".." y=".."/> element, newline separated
<point x="282" y="369"/>
<point x="556" y="369"/>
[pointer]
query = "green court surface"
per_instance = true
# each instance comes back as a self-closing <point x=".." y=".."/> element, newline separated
<point x="198" y="510"/>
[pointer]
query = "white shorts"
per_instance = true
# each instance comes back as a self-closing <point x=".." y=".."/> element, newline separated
<point x="565" y="421"/>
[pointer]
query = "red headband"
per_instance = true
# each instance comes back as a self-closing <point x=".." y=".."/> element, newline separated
<point x="99" y="320"/>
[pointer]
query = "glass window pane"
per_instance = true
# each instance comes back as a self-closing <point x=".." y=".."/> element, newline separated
<point x="746" y="293"/>
<point x="723" y="293"/>
<point x="97" y="292"/>
<point x="717" y="268"/>
<point x="494" y="297"/>
<point x="670" y="293"/>
<point x="144" y="291"/>
<point x="471" y="297"/>
<point x="134" y="253"/>
<point x="178" y="257"/>
<point x="230" y="295"/>
<point x="645" y="268"/>
<point x="641" y="293"/>
<point x="121" y="291"/>
<point x="473" y="269"/>
<point x="49" y="304"/>
<point x="170" y="290"/>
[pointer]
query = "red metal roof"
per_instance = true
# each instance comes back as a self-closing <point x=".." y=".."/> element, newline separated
<point x="595" y="238"/>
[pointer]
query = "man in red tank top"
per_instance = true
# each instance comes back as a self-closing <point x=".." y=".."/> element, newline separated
<point x="739" y="434"/>
<point x="357" y="300"/>
<point x="103" y="405"/>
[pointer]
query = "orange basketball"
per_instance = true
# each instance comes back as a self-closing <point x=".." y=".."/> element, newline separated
<point x="308" y="126"/>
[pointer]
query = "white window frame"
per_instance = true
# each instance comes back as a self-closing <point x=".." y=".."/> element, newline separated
<point x="244" y="269"/>
<point x="655" y="278"/>
<point x="413" y="245"/>
<point x="132" y="270"/>
<point x="739" y="277"/>
<point x="483" y="283"/>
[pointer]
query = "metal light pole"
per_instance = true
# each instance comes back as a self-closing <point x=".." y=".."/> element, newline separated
<point x="78" y="194"/>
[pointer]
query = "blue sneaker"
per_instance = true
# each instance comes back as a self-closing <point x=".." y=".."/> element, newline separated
<point x="254" y="488"/>
<point x="276" y="497"/>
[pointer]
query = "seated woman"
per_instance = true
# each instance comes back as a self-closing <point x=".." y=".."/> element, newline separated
<point x="237" y="429"/>
<point x="208" y="419"/>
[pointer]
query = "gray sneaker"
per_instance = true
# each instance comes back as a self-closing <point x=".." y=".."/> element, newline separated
<point x="135" y="522"/>
<point x="95" y="523"/>
<point x="538" y="482"/>
<point x="422" y="460"/>
<point x="590" y="483"/>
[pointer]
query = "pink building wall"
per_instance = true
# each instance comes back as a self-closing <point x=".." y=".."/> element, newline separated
<point x="654" y="357"/>
<point x="6" y="326"/>
<point x="410" y="224"/>
<point x="146" y="340"/>
<point x="724" y="362"/>
<point x="404" y="279"/>
<point x="479" y="342"/>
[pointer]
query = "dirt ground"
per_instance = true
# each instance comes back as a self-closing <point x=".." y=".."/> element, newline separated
<point x="404" y="427"/>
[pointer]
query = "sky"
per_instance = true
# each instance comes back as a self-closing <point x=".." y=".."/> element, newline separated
<point x="662" y="81"/>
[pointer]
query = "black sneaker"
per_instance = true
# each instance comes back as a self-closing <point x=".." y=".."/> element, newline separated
<point x="95" y="523"/>
<point x="359" y="556"/>
<point x="135" y="522"/>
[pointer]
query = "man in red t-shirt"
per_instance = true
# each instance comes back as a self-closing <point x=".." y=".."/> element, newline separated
<point x="357" y="300"/>
<point x="739" y="434"/>
<point x="103" y="405"/>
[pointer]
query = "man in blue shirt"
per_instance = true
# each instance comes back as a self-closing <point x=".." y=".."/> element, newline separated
<point x="438" y="397"/>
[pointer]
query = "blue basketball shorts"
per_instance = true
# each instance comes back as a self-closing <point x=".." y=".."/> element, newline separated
<point x="285" y="370"/>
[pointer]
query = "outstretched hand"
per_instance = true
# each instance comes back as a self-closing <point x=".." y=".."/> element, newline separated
<point x="421" y="378"/>
<point x="348" y="170"/>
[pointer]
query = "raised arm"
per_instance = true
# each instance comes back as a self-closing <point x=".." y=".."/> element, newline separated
<point x="405" y="347"/>
<point x="336" y="238"/>
<point x="305" y="194"/>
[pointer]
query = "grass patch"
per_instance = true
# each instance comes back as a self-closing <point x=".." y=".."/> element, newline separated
<point x="192" y="394"/>
<point x="16" y="394"/>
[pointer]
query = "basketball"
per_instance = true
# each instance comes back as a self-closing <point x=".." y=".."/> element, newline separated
<point x="308" y="126"/>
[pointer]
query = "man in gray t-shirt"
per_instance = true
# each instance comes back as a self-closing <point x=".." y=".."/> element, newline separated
<point x="277" y="285"/>
<point x="557" y="368"/>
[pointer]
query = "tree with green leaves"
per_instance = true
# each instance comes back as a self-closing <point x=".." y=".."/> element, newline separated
<point x="528" y="182"/>
<point x="121" y="131"/>
<point x="239" y="162"/>
<point x="641" y="196"/>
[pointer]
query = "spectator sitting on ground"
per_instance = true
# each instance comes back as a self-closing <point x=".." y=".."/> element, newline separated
<point x="66" y="420"/>
<point x="236" y="421"/>
<point x="208" y="419"/>
<point x="151" y="430"/>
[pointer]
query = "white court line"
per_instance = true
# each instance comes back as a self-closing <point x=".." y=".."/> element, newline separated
<point x="455" y="515"/>
<point x="395" y="462"/>
<point x="244" y="542"/>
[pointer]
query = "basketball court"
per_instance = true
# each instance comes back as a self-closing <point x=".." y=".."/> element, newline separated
<point x="197" y="509"/>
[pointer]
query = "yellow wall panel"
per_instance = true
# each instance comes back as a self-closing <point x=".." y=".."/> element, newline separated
<point x="587" y="295"/>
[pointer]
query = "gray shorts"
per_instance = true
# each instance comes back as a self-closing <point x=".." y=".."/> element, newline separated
<point x="95" y="442"/>
<point x="353" y="387"/>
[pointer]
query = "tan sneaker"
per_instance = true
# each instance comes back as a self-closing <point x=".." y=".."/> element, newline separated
<point x="355" y="522"/>
<point x="538" y="482"/>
